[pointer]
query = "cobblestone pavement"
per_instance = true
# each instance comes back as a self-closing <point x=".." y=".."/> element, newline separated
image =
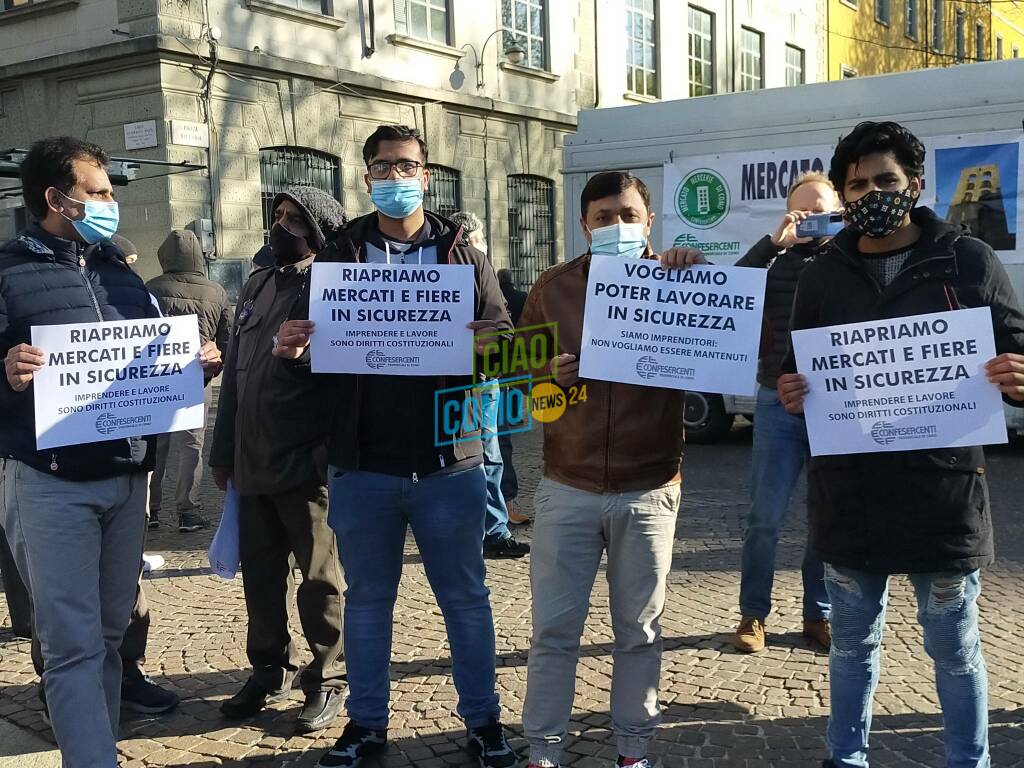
<point x="722" y="709"/>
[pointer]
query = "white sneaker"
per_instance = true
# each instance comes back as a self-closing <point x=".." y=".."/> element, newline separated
<point x="152" y="563"/>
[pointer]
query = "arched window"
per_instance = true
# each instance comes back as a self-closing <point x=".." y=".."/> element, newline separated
<point x="282" y="167"/>
<point x="531" y="227"/>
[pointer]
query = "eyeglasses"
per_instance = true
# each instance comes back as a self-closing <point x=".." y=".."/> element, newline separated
<point x="381" y="169"/>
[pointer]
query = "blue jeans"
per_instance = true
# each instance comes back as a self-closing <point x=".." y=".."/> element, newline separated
<point x="779" y="454"/>
<point x="369" y="512"/>
<point x="496" y="525"/>
<point x="947" y="609"/>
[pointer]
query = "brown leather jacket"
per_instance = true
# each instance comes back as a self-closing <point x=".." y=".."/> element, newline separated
<point x="624" y="437"/>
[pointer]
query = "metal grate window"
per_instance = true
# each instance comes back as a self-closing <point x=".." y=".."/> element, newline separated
<point x="423" y="19"/>
<point x="524" y="20"/>
<point x="751" y="60"/>
<point x="641" y="48"/>
<point x="444" y="196"/>
<point x="702" y="52"/>
<point x="531" y="227"/>
<point x="794" y="65"/>
<point x="282" y="167"/>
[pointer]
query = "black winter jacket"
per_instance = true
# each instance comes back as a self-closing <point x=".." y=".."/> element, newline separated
<point x="784" y="269"/>
<point x="46" y="280"/>
<point x="184" y="289"/>
<point x="908" y="511"/>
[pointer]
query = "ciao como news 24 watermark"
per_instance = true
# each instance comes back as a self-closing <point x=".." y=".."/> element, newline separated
<point x="517" y="390"/>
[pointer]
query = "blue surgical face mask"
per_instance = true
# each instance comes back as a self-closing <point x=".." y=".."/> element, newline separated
<point x="626" y="240"/>
<point x="100" y="221"/>
<point x="397" y="198"/>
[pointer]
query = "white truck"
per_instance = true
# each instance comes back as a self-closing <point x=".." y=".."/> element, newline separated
<point x="948" y="108"/>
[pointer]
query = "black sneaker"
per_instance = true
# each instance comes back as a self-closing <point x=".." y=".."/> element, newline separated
<point x="353" y="746"/>
<point x="154" y="520"/>
<point x="189" y="522"/>
<point x="490" y="747"/>
<point x="140" y="694"/>
<point x="505" y="547"/>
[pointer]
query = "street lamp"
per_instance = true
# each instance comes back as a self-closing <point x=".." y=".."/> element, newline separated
<point x="514" y="54"/>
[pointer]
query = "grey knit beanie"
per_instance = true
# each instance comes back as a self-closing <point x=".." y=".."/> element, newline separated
<point x="324" y="215"/>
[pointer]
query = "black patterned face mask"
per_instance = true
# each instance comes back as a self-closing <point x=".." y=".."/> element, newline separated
<point x="879" y="214"/>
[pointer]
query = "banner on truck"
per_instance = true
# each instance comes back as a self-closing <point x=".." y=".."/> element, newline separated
<point x="977" y="184"/>
<point x="723" y="204"/>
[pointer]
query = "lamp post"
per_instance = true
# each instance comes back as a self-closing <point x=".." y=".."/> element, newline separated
<point x="514" y="54"/>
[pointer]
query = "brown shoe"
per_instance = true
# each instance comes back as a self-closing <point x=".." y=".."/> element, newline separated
<point x="819" y="631"/>
<point x="749" y="637"/>
<point x="514" y="516"/>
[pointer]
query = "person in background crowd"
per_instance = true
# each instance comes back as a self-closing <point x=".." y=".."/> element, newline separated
<point x="515" y="300"/>
<point x="184" y="289"/>
<point x="273" y="420"/>
<point x="498" y="539"/>
<point x="923" y="512"/>
<point x="389" y="473"/>
<point x="780" y="440"/>
<point x="75" y="515"/>
<point x="127" y="247"/>
<point x="611" y="485"/>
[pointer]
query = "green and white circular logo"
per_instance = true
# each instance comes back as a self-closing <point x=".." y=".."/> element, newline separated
<point x="702" y="199"/>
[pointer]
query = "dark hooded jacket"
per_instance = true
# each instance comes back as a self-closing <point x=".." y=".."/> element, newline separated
<point x="46" y="280"/>
<point x="905" y="511"/>
<point x="184" y="289"/>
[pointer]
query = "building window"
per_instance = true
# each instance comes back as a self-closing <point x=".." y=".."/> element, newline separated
<point x="282" y="167"/>
<point x="794" y="65"/>
<point x="319" y="7"/>
<point x="531" y="227"/>
<point x="423" y="19"/>
<point x="1016" y="52"/>
<point x="641" y="48"/>
<point x="444" y="196"/>
<point x="751" y="60"/>
<point x="526" y="21"/>
<point x="961" y="36"/>
<point x="7" y="5"/>
<point x="910" y="17"/>
<point x="883" y="12"/>
<point x="851" y="3"/>
<point x="999" y="47"/>
<point x="702" y="52"/>
<point x="847" y="72"/>
<point x="938" y="31"/>
<point x="980" y="49"/>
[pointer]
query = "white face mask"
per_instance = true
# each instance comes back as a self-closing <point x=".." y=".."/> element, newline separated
<point x="626" y="240"/>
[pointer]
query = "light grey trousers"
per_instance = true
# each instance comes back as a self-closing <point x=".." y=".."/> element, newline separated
<point x="78" y="544"/>
<point x="572" y="529"/>
<point x="189" y="445"/>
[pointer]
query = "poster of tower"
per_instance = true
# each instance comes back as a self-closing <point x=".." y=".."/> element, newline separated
<point x="976" y="184"/>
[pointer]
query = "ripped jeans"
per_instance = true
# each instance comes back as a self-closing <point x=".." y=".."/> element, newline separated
<point x="947" y="609"/>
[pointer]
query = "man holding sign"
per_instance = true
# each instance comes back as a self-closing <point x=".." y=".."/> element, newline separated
<point x="74" y="514"/>
<point x="922" y="512"/>
<point x="611" y="483"/>
<point x="389" y="469"/>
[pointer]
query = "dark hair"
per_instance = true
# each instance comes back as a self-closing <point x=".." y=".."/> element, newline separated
<point x="870" y="138"/>
<point x="505" y="278"/>
<point x="610" y="183"/>
<point x="392" y="133"/>
<point x="49" y="164"/>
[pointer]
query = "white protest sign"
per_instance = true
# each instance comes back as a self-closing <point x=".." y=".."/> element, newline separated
<point x="901" y="384"/>
<point x="398" y="319"/>
<point x="696" y="328"/>
<point x="117" y="379"/>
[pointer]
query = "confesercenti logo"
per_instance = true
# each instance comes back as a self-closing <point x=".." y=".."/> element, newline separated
<point x="377" y="359"/>
<point x="884" y="433"/>
<point x="647" y="367"/>
<point x="108" y="423"/>
<point x="702" y="199"/>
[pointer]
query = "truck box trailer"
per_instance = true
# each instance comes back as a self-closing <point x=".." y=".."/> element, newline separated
<point x="768" y="137"/>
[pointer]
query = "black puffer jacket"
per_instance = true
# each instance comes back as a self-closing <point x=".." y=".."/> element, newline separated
<point x="784" y="269"/>
<point x="907" y="511"/>
<point x="184" y="289"/>
<point x="46" y="280"/>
